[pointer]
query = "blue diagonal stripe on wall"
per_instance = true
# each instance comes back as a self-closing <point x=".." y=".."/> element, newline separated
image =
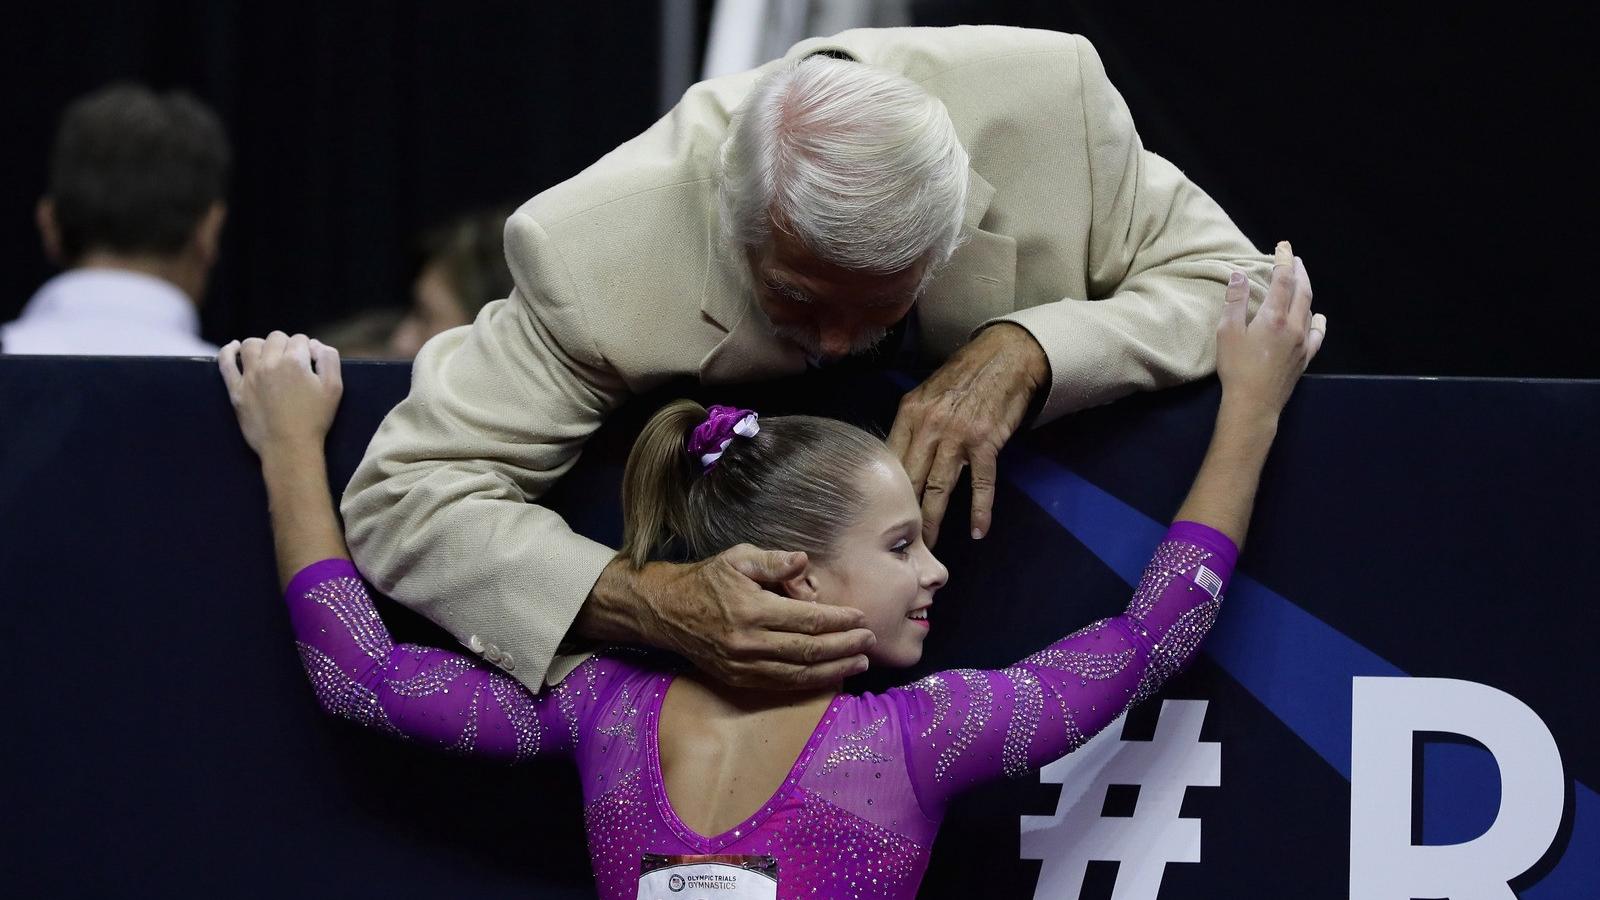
<point x="1298" y="666"/>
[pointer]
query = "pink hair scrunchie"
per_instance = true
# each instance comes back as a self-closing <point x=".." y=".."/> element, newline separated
<point x="711" y="437"/>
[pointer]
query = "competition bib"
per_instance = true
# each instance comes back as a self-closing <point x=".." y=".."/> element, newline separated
<point x="726" y="876"/>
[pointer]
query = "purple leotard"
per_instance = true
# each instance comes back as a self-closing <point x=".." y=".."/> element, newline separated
<point x="860" y="808"/>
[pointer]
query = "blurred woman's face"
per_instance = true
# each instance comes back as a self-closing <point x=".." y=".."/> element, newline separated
<point x="434" y="308"/>
<point x="882" y="567"/>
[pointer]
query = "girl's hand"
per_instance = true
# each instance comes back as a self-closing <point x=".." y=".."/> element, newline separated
<point x="280" y="399"/>
<point x="1259" y="360"/>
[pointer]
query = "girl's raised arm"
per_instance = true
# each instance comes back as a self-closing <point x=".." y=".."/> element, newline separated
<point x="285" y="391"/>
<point x="967" y="726"/>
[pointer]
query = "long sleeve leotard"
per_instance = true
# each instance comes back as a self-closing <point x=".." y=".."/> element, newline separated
<point x="863" y="801"/>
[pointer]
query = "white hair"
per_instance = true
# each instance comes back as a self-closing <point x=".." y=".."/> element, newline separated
<point x="862" y="165"/>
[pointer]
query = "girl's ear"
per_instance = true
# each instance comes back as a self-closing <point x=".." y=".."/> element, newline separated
<point x="802" y="586"/>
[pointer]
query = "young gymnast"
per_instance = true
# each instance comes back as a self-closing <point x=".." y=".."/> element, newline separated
<point x="844" y="792"/>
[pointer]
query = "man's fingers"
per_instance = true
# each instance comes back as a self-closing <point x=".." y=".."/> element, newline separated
<point x="983" y="479"/>
<point x="918" y="460"/>
<point x="825" y="674"/>
<point x="791" y="676"/>
<point x="799" y="617"/>
<point x="810" y="650"/>
<point x="765" y="566"/>
<point x="941" y="481"/>
<point x="899" y="435"/>
<point x="228" y="362"/>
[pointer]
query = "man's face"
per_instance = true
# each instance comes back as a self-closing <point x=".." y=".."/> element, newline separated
<point x="828" y="311"/>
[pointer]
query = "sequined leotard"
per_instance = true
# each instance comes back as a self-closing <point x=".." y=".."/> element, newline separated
<point x="860" y="808"/>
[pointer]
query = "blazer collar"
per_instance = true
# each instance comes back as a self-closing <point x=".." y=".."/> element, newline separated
<point x="977" y="284"/>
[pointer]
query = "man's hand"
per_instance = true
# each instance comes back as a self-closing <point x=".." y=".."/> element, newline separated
<point x="717" y="614"/>
<point x="962" y="415"/>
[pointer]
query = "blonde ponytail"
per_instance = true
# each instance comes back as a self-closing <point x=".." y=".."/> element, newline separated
<point x="655" y="484"/>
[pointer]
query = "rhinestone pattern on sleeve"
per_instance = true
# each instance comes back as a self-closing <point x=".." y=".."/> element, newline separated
<point x="1084" y="663"/>
<point x="519" y="711"/>
<point x="568" y="706"/>
<point x="1069" y="723"/>
<point x="1178" y="645"/>
<point x="1024" y="721"/>
<point x="468" y="741"/>
<point x="343" y="696"/>
<point x="347" y="599"/>
<point x="980" y="704"/>
<point x="432" y="680"/>
<point x="939" y="695"/>
<point x="1171" y="559"/>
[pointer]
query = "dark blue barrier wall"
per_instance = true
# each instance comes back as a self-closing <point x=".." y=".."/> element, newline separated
<point x="160" y="737"/>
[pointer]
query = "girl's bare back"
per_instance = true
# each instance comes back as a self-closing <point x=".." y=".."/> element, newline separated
<point x="724" y="755"/>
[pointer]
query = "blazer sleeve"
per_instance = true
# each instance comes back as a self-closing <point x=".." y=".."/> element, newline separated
<point x="1159" y="254"/>
<point x="439" y="514"/>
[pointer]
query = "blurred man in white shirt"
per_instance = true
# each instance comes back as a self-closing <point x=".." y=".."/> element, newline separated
<point x="134" y="214"/>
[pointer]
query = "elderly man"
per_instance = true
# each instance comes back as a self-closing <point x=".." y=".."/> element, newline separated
<point x="980" y="191"/>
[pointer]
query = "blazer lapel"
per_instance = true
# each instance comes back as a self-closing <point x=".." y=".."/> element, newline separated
<point x="750" y="352"/>
<point x="976" y="285"/>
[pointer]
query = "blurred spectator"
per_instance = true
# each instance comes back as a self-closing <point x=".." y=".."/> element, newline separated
<point x="463" y="267"/>
<point x="365" y="335"/>
<point x="134" y="211"/>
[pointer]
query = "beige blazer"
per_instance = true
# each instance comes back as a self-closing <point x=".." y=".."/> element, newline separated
<point x="1104" y="251"/>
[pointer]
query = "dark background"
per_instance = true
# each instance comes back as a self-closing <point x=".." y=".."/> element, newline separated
<point x="1433" y="167"/>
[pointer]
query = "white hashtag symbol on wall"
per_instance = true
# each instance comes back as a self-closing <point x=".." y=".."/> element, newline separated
<point x="1142" y="844"/>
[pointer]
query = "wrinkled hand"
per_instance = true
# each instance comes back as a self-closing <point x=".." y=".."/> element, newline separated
<point x="717" y="614"/>
<point x="962" y="416"/>
<point x="280" y="399"/>
<point x="1260" y="359"/>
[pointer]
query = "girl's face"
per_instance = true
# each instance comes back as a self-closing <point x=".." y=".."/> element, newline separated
<point x="882" y="567"/>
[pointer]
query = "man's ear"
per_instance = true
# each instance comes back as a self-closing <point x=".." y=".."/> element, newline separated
<point x="802" y="586"/>
<point x="44" y="215"/>
<point x="208" y="234"/>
